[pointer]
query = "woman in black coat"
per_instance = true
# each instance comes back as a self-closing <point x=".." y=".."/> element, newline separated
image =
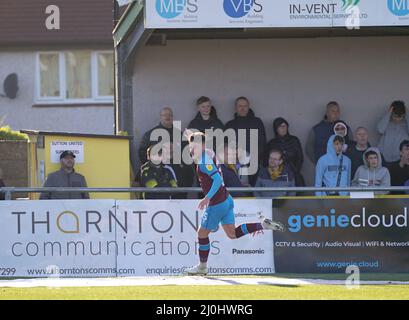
<point x="290" y="146"/>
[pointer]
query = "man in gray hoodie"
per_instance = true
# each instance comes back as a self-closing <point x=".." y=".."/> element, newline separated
<point x="394" y="128"/>
<point x="371" y="173"/>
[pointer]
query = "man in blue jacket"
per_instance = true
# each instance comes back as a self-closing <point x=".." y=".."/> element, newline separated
<point x="334" y="168"/>
<point x="320" y="133"/>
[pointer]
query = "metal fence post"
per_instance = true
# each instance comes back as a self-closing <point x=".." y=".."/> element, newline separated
<point x="7" y="195"/>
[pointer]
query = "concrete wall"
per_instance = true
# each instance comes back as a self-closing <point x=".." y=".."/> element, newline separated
<point x="19" y="113"/>
<point x="293" y="78"/>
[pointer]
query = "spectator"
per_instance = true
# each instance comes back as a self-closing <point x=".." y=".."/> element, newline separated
<point x="243" y="164"/>
<point x="320" y="133"/>
<point x="230" y="170"/>
<point x="166" y="122"/>
<point x="155" y="174"/>
<point x="399" y="170"/>
<point x="290" y="147"/>
<point x="206" y="117"/>
<point x="65" y="177"/>
<point x="356" y="149"/>
<point x="394" y="128"/>
<point x="278" y="174"/>
<point x="334" y="168"/>
<point x="2" y="185"/>
<point x="371" y="173"/>
<point x="340" y="128"/>
<point x="244" y="118"/>
<point x="185" y="174"/>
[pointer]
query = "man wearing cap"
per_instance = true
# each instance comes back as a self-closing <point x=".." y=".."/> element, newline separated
<point x="65" y="177"/>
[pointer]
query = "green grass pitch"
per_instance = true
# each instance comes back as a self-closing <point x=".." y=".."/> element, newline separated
<point x="233" y="292"/>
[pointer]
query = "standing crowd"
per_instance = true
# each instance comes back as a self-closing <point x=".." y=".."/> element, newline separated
<point x="341" y="158"/>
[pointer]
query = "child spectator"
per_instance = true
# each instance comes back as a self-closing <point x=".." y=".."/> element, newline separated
<point x="357" y="148"/>
<point x="334" y="168"/>
<point x="154" y="174"/>
<point x="371" y="173"/>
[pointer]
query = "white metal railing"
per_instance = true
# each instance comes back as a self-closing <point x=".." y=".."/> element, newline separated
<point x="8" y="191"/>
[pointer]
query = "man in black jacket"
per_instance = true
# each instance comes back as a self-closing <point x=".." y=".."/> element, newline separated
<point x="244" y="118"/>
<point x="166" y="123"/>
<point x="399" y="170"/>
<point x="206" y="117"/>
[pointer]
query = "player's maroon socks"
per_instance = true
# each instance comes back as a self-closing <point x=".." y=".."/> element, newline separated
<point x="247" y="228"/>
<point x="204" y="249"/>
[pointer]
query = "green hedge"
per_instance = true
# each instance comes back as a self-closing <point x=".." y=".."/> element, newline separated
<point x="6" y="133"/>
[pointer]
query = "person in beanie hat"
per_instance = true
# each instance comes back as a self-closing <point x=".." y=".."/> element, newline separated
<point x="340" y="128"/>
<point x="290" y="147"/>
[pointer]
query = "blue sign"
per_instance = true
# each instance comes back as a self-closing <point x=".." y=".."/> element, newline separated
<point x="237" y="8"/>
<point x="170" y="9"/>
<point x="399" y="8"/>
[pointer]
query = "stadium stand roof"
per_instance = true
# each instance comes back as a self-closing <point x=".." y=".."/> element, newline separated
<point x="87" y="22"/>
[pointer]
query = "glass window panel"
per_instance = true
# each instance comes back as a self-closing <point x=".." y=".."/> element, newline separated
<point x="49" y="75"/>
<point x="78" y="74"/>
<point x="105" y="74"/>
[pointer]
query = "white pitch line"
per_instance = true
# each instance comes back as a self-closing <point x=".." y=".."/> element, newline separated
<point x="178" y="281"/>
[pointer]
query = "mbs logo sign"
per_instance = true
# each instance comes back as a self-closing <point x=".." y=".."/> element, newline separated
<point x="399" y="8"/>
<point x="170" y="9"/>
